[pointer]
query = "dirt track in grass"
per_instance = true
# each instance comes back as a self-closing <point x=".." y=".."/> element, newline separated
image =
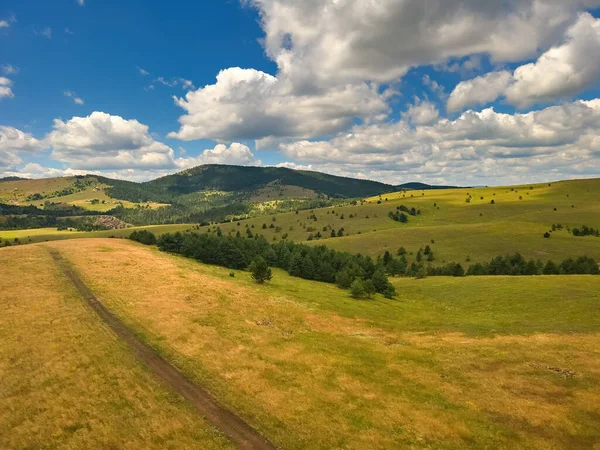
<point x="232" y="426"/>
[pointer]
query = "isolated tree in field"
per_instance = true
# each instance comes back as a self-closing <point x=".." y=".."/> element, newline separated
<point x="401" y="251"/>
<point x="261" y="272"/>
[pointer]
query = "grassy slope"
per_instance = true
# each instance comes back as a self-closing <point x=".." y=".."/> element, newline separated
<point x="477" y="229"/>
<point x="476" y="363"/>
<point x="19" y="191"/>
<point x="52" y="234"/>
<point x="67" y="382"/>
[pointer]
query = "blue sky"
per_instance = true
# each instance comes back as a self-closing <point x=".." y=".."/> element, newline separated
<point x="443" y="92"/>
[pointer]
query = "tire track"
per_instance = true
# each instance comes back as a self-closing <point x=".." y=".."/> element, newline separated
<point x="231" y="425"/>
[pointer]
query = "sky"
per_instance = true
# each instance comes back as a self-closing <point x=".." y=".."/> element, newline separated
<point x="463" y="92"/>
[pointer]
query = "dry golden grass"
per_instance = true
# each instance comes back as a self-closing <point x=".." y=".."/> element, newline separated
<point x="307" y="377"/>
<point x="65" y="381"/>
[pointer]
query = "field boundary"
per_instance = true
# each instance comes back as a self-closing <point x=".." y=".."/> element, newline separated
<point x="227" y="422"/>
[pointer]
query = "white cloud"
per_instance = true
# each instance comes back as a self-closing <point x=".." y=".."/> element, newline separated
<point x="14" y="142"/>
<point x="81" y="2"/>
<point x="142" y="71"/>
<point x="477" y="148"/>
<point x="6" y="23"/>
<point x="68" y="31"/>
<point x="249" y="104"/>
<point x="8" y="69"/>
<point x="479" y="91"/>
<point x="341" y="41"/>
<point x="101" y="141"/>
<point x="235" y="154"/>
<point x="77" y="100"/>
<point x="5" y="88"/>
<point x="562" y="71"/>
<point x="422" y="113"/>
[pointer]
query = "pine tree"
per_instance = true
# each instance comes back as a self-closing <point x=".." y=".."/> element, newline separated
<point x="261" y="272"/>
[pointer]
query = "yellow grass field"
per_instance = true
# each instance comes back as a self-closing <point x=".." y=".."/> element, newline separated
<point x="52" y="234"/>
<point x="488" y="362"/>
<point x="66" y="382"/>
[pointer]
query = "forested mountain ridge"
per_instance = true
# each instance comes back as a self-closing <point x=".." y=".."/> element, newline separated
<point x="241" y="179"/>
<point x="244" y="179"/>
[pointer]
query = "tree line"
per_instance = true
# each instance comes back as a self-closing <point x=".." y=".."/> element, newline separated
<point x="319" y="263"/>
<point x="500" y="265"/>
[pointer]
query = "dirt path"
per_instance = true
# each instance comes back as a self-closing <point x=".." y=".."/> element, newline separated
<point x="242" y="434"/>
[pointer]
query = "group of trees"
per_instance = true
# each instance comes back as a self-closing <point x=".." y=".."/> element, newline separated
<point x="500" y="265"/>
<point x="143" y="236"/>
<point x="317" y="263"/>
<point x="517" y="265"/>
<point x="402" y="212"/>
<point x="585" y="231"/>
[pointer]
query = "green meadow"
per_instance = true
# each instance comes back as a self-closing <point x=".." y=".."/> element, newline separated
<point x="455" y="229"/>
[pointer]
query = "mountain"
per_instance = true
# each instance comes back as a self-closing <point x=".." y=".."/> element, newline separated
<point x="242" y="180"/>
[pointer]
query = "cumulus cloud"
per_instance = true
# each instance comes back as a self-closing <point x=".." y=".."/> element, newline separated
<point x="474" y="147"/>
<point x="562" y="71"/>
<point x="422" y="113"/>
<point x="14" y="142"/>
<point x="250" y="104"/>
<point x="479" y="91"/>
<point x="235" y="154"/>
<point x="5" y="88"/>
<point x="354" y="40"/>
<point x="102" y="141"/>
<point x="332" y="56"/>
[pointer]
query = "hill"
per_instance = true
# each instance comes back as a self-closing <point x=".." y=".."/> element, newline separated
<point x="244" y="181"/>
<point x="202" y="194"/>
<point x="460" y="225"/>
<point x="490" y="362"/>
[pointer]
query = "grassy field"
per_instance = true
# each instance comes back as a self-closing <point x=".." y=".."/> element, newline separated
<point x="52" y="234"/>
<point x="452" y="363"/>
<point x="455" y="230"/>
<point x="67" y="382"/>
<point x="18" y="191"/>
